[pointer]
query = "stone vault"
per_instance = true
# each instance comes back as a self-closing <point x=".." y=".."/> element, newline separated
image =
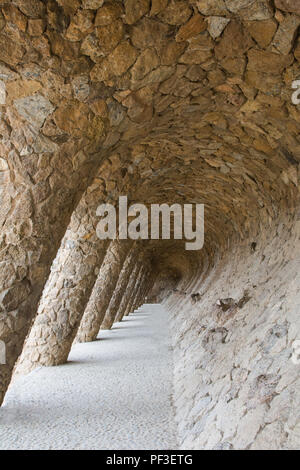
<point x="164" y="101"/>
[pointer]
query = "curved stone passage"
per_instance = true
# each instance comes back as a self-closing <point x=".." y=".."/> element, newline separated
<point x="168" y="101"/>
<point x="114" y="394"/>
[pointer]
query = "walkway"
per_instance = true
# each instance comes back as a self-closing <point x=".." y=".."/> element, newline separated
<point x="114" y="393"/>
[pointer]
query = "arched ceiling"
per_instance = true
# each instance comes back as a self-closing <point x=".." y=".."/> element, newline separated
<point x="190" y="99"/>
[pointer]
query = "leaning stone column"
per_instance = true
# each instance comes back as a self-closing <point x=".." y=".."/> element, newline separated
<point x="135" y="290"/>
<point x="68" y="288"/>
<point x="42" y="177"/>
<point x="138" y="300"/>
<point x="140" y="285"/>
<point x="128" y="292"/>
<point x="119" y="291"/>
<point x="146" y="286"/>
<point x="103" y="290"/>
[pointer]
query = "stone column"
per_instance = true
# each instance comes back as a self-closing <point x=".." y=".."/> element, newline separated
<point x="43" y="174"/>
<point x="120" y="289"/>
<point x="135" y="291"/>
<point x="140" y="295"/>
<point x="128" y="292"/>
<point x="68" y="288"/>
<point x="140" y="285"/>
<point x="103" y="290"/>
<point x="146" y="286"/>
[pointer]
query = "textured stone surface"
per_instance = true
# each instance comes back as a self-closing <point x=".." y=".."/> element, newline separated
<point x="146" y="62"/>
<point x="288" y="5"/>
<point x="67" y="291"/>
<point x="34" y="109"/>
<point x="262" y="31"/>
<point x="108" y="14"/>
<point x="2" y="92"/>
<point x="120" y="289"/>
<point x="217" y="24"/>
<point x="286" y="34"/>
<point x="135" y="9"/>
<point x="130" y="292"/>
<point x="176" y="13"/>
<point x="117" y="63"/>
<point x="228" y="390"/>
<point x="212" y="7"/>
<point x="135" y="291"/>
<point x="157" y="6"/>
<point x="251" y="10"/>
<point x="179" y="115"/>
<point x="92" y="4"/>
<point x="103" y="290"/>
<point x="192" y="28"/>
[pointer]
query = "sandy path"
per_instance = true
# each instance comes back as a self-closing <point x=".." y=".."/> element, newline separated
<point x="113" y="394"/>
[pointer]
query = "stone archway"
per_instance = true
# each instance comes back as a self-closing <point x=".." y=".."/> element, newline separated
<point x="173" y="101"/>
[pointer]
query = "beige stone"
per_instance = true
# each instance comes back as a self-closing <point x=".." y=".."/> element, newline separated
<point x="216" y="25"/>
<point x="72" y="118"/>
<point x="195" y="56"/>
<point x="148" y="33"/>
<point x="286" y="34"/>
<point x="234" y="42"/>
<point x="176" y="13"/>
<point x="235" y="66"/>
<point x="10" y="52"/>
<point x="80" y="25"/>
<point x="81" y="88"/>
<point x="92" y="4"/>
<point x="212" y="7"/>
<point x="105" y="284"/>
<point x="2" y="92"/>
<point x="195" y="73"/>
<point x="99" y="108"/>
<point x="156" y="76"/>
<point x="135" y="9"/>
<point x="36" y="27"/>
<point x="258" y="10"/>
<point x="262" y="31"/>
<point x="205" y="118"/>
<point x="21" y="88"/>
<point x="267" y="62"/>
<point x="109" y="36"/>
<point x="193" y="27"/>
<point x="146" y="62"/>
<point x="33" y="9"/>
<point x="171" y="52"/>
<point x="117" y="63"/>
<point x="108" y="13"/>
<point x="60" y="46"/>
<point x="288" y="5"/>
<point x="13" y="15"/>
<point x="34" y="108"/>
<point x="157" y="6"/>
<point x="140" y="105"/>
<point x="90" y="47"/>
<point x="3" y="165"/>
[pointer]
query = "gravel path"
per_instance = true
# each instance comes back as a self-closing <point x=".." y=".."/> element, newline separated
<point x="114" y="393"/>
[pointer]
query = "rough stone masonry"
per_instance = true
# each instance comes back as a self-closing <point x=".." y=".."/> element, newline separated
<point x="165" y="101"/>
